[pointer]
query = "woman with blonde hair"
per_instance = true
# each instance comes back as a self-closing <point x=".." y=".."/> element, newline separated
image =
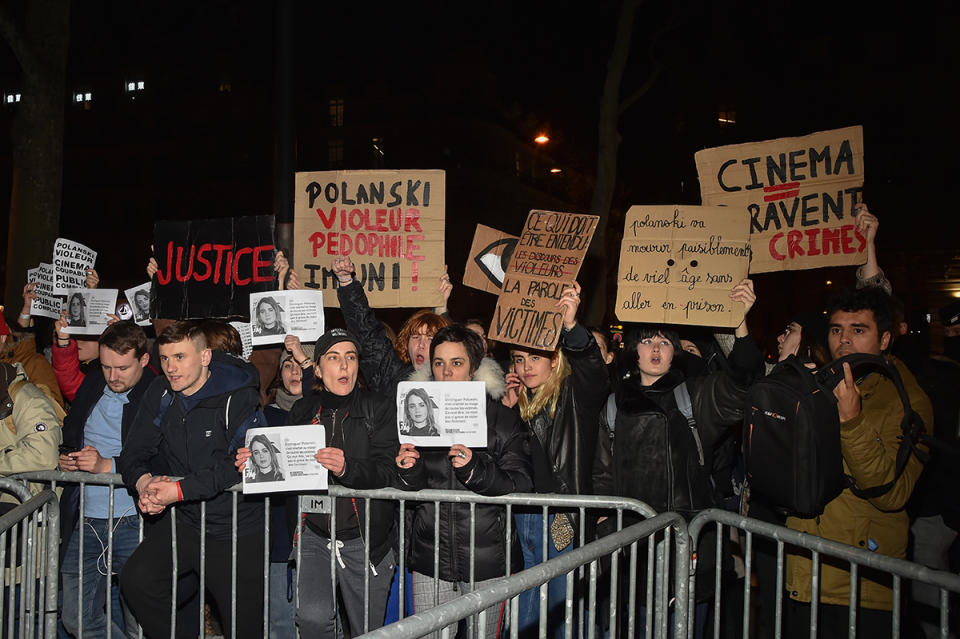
<point x="559" y="395"/>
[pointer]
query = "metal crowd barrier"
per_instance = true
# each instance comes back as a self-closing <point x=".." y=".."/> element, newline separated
<point x="475" y="602"/>
<point x="547" y="504"/>
<point x="30" y="568"/>
<point x="793" y="542"/>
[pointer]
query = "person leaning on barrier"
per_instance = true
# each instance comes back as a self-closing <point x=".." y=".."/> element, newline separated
<point x="93" y="433"/>
<point x="558" y="394"/>
<point x="861" y="321"/>
<point x="361" y="437"/>
<point x="504" y="467"/>
<point x="30" y="428"/>
<point x="651" y="450"/>
<point x="190" y="420"/>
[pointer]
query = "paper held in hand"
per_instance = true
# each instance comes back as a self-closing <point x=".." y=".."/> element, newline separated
<point x="87" y="310"/>
<point x="276" y="314"/>
<point x="441" y="414"/>
<point x="282" y="459"/>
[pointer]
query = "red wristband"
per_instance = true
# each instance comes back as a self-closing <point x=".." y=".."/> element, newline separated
<point x="179" y="492"/>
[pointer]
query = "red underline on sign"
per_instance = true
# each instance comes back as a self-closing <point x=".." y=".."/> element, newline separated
<point x="780" y="196"/>
<point x="789" y="186"/>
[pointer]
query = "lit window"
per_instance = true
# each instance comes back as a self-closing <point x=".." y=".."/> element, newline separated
<point x="336" y="112"/>
<point x="727" y="117"/>
<point x="134" y="86"/>
<point x="11" y="98"/>
<point x="225" y="86"/>
<point x="87" y="97"/>
<point x="335" y="153"/>
<point x="141" y="85"/>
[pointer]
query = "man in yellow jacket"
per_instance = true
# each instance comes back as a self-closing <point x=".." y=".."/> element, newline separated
<point x="860" y="321"/>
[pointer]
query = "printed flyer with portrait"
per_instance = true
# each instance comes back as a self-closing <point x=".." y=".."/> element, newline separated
<point x="282" y="459"/>
<point x="434" y="414"/>
<point x="87" y="310"/>
<point x="276" y="314"/>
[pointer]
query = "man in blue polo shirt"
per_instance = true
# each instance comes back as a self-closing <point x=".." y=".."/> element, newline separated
<point x="94" y="432"/>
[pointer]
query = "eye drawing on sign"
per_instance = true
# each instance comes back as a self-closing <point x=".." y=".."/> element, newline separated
<point x="494" y="258"/>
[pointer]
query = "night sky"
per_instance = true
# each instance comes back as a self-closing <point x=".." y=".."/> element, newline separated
<point x="785" y="69"/>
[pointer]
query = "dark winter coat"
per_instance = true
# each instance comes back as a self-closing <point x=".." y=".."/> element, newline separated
<point x="652" y="454"/>
<point x="193" y="441"/>
<point x="382" y="368"/>
<point x="569" y="438"/>
<point x="365" y="428"/>
<point x="503" y="467"/>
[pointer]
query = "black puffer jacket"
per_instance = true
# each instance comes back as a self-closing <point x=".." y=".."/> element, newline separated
<point x="503" y="467"/>
<point x="652" y="454"/>
<point x="193" y="440"/>
<point x="569" y="438"/>
<point x="364" y="426"/>
<point x="382" y="368"/>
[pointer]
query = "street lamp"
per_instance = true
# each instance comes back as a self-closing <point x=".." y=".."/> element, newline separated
<point x="541" y="139"/>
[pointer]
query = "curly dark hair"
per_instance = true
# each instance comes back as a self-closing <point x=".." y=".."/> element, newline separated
<point x="869" y="298"/>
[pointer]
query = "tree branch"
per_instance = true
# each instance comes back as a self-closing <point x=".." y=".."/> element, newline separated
<point x="642" y="91"/>
<point x="12" y="32"/>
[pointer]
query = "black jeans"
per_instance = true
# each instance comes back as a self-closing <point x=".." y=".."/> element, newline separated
<point x="832" y="621"/>
<point x="146" y="581"/>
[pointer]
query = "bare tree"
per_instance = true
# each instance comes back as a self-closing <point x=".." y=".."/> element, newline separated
<point x="611" y="108"/>
<point x="39" y="40"/>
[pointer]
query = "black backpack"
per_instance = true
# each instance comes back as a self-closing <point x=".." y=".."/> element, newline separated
<point x="791" y="438"/>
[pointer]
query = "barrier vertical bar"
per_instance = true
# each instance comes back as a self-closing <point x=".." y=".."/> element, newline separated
<point x="895" y="623"/>
<point x="852" y="606"/>
<point x="747" y="569"/>
<point x="402" y="562"/>
<point x="109" y="584"/>
<point x="203" y="567"/>
<point x="778" y="614"/>
<point x="814" y="592"/>
<point x="267" y="532"/>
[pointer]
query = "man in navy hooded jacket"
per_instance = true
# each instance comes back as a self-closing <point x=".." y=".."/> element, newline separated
<point x="190" y="421"/>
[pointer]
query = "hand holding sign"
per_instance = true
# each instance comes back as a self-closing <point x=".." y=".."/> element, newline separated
<point x="743" y="293"/>
<point x="569" y="303"/>
<point x="867" y="222"/>
<point x="343" y="269"/>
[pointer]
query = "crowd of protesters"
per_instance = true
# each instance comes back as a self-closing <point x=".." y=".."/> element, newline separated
<point x="655" y="418"/>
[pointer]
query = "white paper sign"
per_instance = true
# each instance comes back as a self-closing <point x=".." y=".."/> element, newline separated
<point x="87" y="310"/>
<point x="71" y="261"/>
<point x="139" y="299"/>
<point x="276" y="314"/>
<point x="282" y="459"/>
<point x="442" y="414"/>
<point x="46" y="304"/>
<point x="246" y="337"/>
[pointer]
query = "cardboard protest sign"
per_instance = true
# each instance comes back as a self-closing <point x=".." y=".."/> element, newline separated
<point x="282" y="459"/>
<point x="432" y="414"/>
<point x="546" y="259"/>
<point x="798" y="194"/>
<point x="87" y="310"/>
<point x="71" y="260"/>
<point x="276" y="314"/>
<point x="489" y="257"/>
<point x="389" y="223"/>
<point x="678" y="264"/>
<point x="46" y="304"/>
<point x="139" y="299"/>
<point x="208" y="268"/>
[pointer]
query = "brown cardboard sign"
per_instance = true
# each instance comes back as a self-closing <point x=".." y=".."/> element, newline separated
<point x="389" y="223"/>
<point x="547" y="258"/>
<point x="798" y="193"/>
<point x="489" y="258"/>
<point x="678" y="264"/>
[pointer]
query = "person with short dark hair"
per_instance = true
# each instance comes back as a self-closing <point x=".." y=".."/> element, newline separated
<point x="870" y="410"/>
<point x="191" y="421"/>
<point x="361" y="442"/>
<point x="94" y="431"/>
<point x="503" y="467"/>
